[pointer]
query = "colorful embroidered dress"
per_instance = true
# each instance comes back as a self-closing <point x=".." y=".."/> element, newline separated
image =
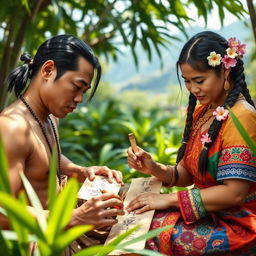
<point x="228" y="232"/>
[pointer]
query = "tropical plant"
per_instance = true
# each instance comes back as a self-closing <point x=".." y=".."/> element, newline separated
<point x="50" y="233"/>
<point x="97" y="135"/>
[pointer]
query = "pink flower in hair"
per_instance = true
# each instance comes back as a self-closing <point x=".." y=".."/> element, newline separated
<point x="220" y="113"/>
<point x="228" y="62"/>
<point x="205" y="138"/>
<point x="241" y="50"/>
<point x="233" y="42"/>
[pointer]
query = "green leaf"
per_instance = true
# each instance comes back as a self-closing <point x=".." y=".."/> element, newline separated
<point x="144" y="252"/>
<point x="3" y="244"/>
<point x="4" y="181"/>
<point x="25" y="3"/>
<point x="11" y="235"/>
<point x="21" y="214"/>
<point x="94" y="250"/>
<point x="150" y="234"/>
<point x="61" y="212"/>
<point x="35" y="202"/>
<point x="68" y="237"/>
<point x="20" y="230"/>
<point x="243" y="132"/>
<point x="123" y="236"/>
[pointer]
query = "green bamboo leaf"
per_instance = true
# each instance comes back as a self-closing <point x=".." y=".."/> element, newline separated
<point x="68" y="237"/>
<point x="150" y="234"/>
<point x="12" y="235"/>
<point x="123" y="236"/>
<point x="243" y="132"/>
<point x="144" y="252"/>
<point x="4" y="181"/>
<point x="94" y="250"/>
<point x="135" y="58"/>
<point x="20" y="230"/>
<point x="34" y="201"/>
<point x="62" y="210"/>
<point x="52" y="190"/>
<point x="4" y="245"/>
<point x="25" y="3"/>
<point x="21" y="214"/>
<point x="145" y="44"/>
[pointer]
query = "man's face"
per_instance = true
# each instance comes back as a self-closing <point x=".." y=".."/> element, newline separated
<point x="62" y="96"/>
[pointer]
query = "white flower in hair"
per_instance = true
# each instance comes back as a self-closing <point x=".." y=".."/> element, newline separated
<point x="232" y="52"/>
<point x="220" y="113"/>
<point x="214" y="59"/>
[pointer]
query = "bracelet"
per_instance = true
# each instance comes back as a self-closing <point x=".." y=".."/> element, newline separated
<point x="191" y="205"/>
<point x="175" y="176"/>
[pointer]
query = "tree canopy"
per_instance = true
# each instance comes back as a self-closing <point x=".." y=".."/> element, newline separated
<point x="104" y="24"/>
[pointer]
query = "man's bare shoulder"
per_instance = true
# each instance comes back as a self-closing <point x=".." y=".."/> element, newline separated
<point x="14" y="124"/>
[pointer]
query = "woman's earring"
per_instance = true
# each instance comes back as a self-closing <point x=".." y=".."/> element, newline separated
<point x="226" y="85"/>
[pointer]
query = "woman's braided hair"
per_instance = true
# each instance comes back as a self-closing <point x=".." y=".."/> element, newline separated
<point x="195" y="53"/>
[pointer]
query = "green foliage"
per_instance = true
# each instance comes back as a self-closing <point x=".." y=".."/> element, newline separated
<point x="243" y="132"/>
<point x="97" y="135"/>
<point x="50" y="233"/>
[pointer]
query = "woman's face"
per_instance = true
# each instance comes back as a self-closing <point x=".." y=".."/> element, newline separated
<point x="206" y="86"/>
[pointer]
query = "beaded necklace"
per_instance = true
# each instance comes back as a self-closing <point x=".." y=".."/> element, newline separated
<point x="45" y="134"/>
<point x="204" y="117"/>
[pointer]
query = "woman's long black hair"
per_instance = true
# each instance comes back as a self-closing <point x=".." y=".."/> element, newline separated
<point x="64" y="50"/>
<point x="195" y="53"/>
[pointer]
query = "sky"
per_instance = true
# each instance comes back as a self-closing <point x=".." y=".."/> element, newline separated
<point x="213" y="22"/>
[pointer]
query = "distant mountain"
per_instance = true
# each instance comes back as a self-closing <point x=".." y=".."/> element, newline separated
<point x="149" y="76"/>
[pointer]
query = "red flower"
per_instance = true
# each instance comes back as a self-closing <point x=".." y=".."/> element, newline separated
<point x="226" y="156"/>
<point x="178" y="250"/>
<point x="155" y="224"/>
<point x="246" y="156"/>
<point x="199" y="243"/>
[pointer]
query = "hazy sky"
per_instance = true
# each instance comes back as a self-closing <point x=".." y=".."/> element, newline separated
<point x="213" y="19"/>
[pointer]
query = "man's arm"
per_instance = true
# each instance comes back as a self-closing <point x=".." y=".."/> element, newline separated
<point x="15" y="141"/>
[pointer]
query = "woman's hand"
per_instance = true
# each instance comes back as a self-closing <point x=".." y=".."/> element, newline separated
<point x="141" y="161"/>
<point x="91" y="171"/>
<point x="151" y="201"/>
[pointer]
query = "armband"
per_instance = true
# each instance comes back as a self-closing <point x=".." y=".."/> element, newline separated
<point x="191" y="205"/>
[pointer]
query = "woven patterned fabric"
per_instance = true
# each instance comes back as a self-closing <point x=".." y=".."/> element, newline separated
<point x="227" y="232"/>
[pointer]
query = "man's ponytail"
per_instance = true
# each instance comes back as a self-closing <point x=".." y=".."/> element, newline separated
<point x="18" y="78"/>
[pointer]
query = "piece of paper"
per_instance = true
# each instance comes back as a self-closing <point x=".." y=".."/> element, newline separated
<point x="94" y="188"/>
<point x="130" y="220"/>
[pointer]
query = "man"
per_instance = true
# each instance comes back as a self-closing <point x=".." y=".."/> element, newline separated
<point x="60" y="73"/>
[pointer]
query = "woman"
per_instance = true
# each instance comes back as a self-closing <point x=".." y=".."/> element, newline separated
<point x="218" y="215"/>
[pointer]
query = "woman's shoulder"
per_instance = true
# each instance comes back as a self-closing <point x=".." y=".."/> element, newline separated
<point x="245" y="112"/>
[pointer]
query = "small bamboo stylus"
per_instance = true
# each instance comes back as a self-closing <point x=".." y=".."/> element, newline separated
<point x="132" y="140"/>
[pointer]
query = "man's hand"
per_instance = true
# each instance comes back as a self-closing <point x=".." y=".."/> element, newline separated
<point x="98" y="211"/>
<point x="90" y="173"/>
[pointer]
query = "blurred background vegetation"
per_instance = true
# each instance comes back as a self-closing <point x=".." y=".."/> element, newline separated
<point x="96" y="133"/>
